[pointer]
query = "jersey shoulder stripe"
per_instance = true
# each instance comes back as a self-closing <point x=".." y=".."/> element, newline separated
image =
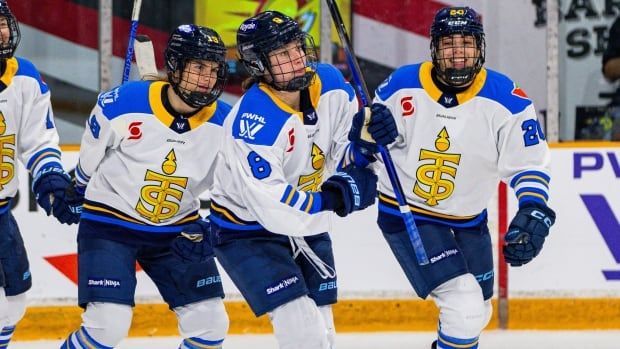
<point x="332" y="79"/>
<point x="501" y="89"/>
<point x="222" y="109"/>
<point x="27" y="68"/>
<point x="131" y="97"/>
<point x="259" y="118"/>
<point x="407" y="76"/>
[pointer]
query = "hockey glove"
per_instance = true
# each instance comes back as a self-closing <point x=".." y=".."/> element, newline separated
<point x="526" y="233"/>
<point x="194" y="243"/>
<point x="50" y="188"/>
<point x="381" y="127"/>
<point x="351" y="189"/>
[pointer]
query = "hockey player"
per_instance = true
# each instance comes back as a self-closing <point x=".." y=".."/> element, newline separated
<point x="283" y="141"/>
<point x="147" y="153"/>
<point x="27" y="134"/>
<point x="461" y="128"/>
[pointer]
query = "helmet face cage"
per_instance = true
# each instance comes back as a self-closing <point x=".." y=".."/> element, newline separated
<point x="457" y="22"/>
<point x="272" y="47"/>
<point x="196" y="62"/>
<point x="281" y="64"/>
<point x="7" y="49"/>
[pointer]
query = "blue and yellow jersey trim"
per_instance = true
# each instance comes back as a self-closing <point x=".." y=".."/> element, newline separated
<point x="426" y="81"/>
<point x="225" y="218"/>
<point x="487" y="84"/>
<point x="10" y="71"/>
<point x="98" y="212"/>
<point x="5" y="205"/>
<point x="17" y="66"/>
<point x="388" y="209"/>
<point x="159" y="111"/>
<point x="531" y="186"/>
<point x="311" y="201"/>
<point x="44" y="154"/>
<point x="81" y="176"/>
<point x="145" y="97"/>
<point x="260" y="106"/>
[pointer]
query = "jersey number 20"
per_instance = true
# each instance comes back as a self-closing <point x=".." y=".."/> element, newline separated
<point x="532" y="132"/>
<point x="259" y="166"/>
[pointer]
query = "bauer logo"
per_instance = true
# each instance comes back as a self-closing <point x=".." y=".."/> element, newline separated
<point x="208" y="281"/>
<point x="285" y="283"/>
<point x="102" y="282"/>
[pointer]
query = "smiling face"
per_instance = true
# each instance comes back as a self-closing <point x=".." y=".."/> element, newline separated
<point x="457" y="51"/>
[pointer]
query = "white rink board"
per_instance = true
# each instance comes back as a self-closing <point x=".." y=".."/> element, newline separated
<point x="576" y="253"/>
<point x="571" y="263"/>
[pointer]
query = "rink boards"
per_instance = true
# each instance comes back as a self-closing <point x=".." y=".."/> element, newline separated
<point x="574" y="283"/>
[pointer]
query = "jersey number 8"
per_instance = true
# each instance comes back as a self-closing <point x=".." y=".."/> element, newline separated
<point x="259" y="166"/>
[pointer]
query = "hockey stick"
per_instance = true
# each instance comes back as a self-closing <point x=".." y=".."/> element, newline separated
<point x="135" y="14"/>
<point x="145" y="58"/>
<point x="405" y="211"/>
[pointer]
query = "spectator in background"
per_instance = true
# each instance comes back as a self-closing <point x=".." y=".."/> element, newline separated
<point x="611" y="71"/>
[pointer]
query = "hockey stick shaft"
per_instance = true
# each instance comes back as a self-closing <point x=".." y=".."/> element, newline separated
<point x="360" y="84"/>
<point x="135" y="15"/>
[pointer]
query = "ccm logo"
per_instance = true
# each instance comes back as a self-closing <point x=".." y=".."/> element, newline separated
<point x="406" y="104"/>
<point x="134" y="130"/>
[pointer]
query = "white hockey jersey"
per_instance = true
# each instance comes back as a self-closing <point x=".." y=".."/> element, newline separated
<point x="453" y="149"/>
<point x="276" y="158"/>
<point x="27" y="130"/>
<point x="145" y="168"/>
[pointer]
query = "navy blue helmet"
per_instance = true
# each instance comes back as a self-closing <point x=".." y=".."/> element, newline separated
<point x="190" y="42"/>
<point x="260" y="35"/>
<point x="7" y="50"/>
<point x="457" y="20"/>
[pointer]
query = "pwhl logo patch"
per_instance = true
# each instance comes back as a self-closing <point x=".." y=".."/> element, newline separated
<point x="250" y="124"/>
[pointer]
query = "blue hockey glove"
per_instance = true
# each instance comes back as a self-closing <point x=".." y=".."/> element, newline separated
<point x="381" y="127"/>
<point x="50" y="187"/>
<point x="194" y="243"/>
<point x="351" y="189"/>
<point x="526" y="233"/>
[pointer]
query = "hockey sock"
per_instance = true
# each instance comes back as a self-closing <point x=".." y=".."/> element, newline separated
<point x="5" y="336"/>
<point x="80" y="339"/>
<point x="198" y="343"/>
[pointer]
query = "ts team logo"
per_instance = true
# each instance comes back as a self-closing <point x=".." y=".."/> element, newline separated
<point x="134" y="130"/>
<point x="406" y="103"/>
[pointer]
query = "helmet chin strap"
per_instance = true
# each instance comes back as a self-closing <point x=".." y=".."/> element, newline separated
<point x="295" y="84"/>
<point x="459" y="77"/>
